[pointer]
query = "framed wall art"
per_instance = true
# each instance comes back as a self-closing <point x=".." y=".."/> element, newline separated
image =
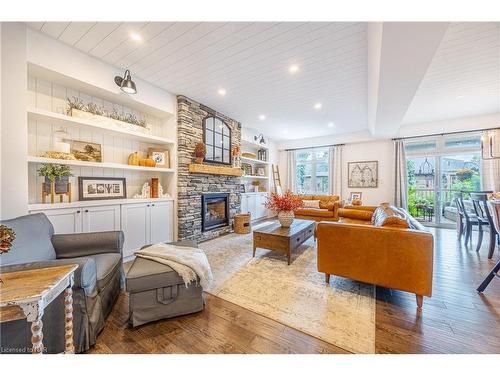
<point x="95" y="188"/>
<point x="363" y="174"/>
<point x="86" y="151"/>
<point x="160" y="156"/>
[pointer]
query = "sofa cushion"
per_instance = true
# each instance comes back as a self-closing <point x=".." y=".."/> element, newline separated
<point x="33" y="240"/>
<point x="106" y="266"/>
<point x="320" y="212"/>
<point x="389" y="216"/>
<point x="309" y="203"/>
<point x="358" y="215"/>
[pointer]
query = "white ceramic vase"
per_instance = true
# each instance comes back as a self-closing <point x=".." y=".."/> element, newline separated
<point x="286" y="218"/>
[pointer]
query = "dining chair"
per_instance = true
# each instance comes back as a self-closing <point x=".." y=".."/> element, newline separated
<point x="460" y="216"/>
<point x="480" y="203"/>
<point x="494" y="208"/>
<point x="469" y="218"/>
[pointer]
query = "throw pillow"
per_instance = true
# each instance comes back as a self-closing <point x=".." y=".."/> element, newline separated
<point x="327" y="204"/>
<point x="311" y="204"/>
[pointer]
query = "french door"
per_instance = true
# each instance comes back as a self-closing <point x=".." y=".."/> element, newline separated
<point x="438" y="169"/>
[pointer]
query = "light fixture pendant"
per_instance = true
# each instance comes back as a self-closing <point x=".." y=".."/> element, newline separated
<point x="488" y="142"/>
<point x="126" y="84"/>
<point x="262" y="141"/>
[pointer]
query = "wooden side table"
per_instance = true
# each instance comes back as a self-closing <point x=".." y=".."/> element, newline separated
<point x="26" y="293"/>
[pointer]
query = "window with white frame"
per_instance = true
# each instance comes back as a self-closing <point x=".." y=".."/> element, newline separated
<point x="311" y="170"/>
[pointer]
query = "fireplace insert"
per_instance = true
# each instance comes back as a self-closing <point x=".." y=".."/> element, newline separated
<point x="214" y="210"/>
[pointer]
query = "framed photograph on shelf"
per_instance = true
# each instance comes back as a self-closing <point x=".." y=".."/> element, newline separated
<point x="362" y="174"/>
<point x="354" y="195"/>
<point x="86" y="151"/>
<point x="161" y="156"/>
<point x="95" y="188"/>
<point x="261" y="171"/>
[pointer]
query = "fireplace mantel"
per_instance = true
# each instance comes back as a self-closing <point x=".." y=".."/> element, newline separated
<point x="214" y="169"/>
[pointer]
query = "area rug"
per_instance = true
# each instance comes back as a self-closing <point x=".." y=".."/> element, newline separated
<point x="342" y="314"/>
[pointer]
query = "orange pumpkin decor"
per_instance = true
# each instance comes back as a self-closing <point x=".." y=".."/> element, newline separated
<point x="133" y="159"/>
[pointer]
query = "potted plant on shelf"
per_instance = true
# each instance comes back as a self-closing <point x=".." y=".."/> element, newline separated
<point x="284" y="205"/>
<point x="199" y="152"/>
<point x="56" y="179"/>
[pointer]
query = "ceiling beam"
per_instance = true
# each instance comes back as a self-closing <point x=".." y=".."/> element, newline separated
<point x="399" y="54"/>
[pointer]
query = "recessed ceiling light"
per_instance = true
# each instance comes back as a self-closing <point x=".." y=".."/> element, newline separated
<point x="460" y="97"/>
<point x="221" y="92"/>
<point x="294" y="68"/>
<point x="262" y="117"/>
<point x="285" y="131"/>
<point x="330" y="124"/>
<point x="318" y="105"/>
<point x="136" y="37"/>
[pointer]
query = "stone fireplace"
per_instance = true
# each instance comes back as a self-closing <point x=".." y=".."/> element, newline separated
<point x="195" y="190"/>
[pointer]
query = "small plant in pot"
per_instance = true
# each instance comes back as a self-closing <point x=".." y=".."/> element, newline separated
<point x="284" y="205"/>
<point x="57" y="174"/>
<point x="199" y="152"/>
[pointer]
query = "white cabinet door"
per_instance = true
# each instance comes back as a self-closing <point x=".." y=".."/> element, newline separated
<point x="252" y="205"/>
<point x="101" y="218"/>
<point x="135" y="225"/>
<point x="161" y="222"/>
<point x="261" y="209"/>
<point x="244" y="203"/>
<point x="64" y="220"/>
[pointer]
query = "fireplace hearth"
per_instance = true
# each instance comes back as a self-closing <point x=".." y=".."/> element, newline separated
<point x="214" y="211"/>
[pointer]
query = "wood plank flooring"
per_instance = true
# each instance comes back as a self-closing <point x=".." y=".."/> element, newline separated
<point x="455" y="320"/>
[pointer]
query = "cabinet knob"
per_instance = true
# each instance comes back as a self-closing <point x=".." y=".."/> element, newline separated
<point x="147" y="205"/>
<point x="78" y="211"/>
<point x="153" y="205"/>
<point x="86" y="210"/>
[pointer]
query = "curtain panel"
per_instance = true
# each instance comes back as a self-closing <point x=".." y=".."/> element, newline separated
<point x="400" y="175"/>
<point x="335" y="170"/>
<point x="290" y="171"/>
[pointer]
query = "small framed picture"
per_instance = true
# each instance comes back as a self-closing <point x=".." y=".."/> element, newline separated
<point x="160" y="156"/>
<point x="355" y="195"/>
<point x="95" y="188"/>
<point x="86" y="151"/>
<point x="261" y="171"/>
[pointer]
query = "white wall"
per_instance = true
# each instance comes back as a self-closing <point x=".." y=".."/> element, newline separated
<point x="380" y="151"/>
<point x="13" y="138"/>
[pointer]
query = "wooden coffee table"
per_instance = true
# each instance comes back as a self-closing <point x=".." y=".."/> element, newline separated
<point x="277" y="238"/>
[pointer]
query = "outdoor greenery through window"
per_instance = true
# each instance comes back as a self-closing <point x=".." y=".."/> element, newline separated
<point x="437" y="170"/>
<point x="312" y="171"/>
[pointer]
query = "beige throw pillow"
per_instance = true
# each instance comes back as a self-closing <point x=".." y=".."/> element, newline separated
<point x="311" y="204"/>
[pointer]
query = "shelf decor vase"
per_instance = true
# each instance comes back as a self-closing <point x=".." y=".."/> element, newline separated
<point x="286" y="218"/>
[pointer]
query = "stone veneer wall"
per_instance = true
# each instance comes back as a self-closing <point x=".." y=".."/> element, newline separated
<point x="190" y="115"/>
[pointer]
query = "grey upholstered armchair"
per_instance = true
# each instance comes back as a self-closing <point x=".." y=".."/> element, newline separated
<point x="96" y="287"/>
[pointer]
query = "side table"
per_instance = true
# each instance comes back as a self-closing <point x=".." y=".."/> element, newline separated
<point x="27" y="293"/>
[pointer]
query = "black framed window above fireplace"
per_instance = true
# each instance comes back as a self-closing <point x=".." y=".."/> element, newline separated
<point x="217" y="138"/>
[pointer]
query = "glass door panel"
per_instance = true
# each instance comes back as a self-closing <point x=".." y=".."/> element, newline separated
<point x="459" y="173"/>
<point x="422" y="183"/>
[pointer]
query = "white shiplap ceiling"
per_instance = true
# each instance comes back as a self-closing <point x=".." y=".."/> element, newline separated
<point x="463" y="79"/>
<point x="251" y="60"/>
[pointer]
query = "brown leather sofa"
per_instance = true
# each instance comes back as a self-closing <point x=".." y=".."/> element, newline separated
<point x="327" y="211"/>
<point x="395" y="251"/>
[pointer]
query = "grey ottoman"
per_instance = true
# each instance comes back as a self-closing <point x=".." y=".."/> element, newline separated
<point x="157" y="292"/>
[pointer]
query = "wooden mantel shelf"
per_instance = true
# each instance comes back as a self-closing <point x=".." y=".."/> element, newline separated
<point x="213" y="169"/>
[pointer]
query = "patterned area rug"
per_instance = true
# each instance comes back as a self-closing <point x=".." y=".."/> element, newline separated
<point x="342" y="314"/>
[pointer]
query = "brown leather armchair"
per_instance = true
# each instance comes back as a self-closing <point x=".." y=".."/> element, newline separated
<point x="385" y="255"/>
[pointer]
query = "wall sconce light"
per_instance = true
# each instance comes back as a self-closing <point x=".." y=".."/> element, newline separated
<point x="487" y="141"/>
<point x="262" y="141"/>
<point x="126" y="84"/>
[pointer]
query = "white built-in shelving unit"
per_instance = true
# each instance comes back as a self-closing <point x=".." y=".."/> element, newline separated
<point x="48" y="92"/>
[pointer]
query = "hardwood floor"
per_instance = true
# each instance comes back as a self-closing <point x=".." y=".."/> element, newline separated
<point x="455" y="320"/>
